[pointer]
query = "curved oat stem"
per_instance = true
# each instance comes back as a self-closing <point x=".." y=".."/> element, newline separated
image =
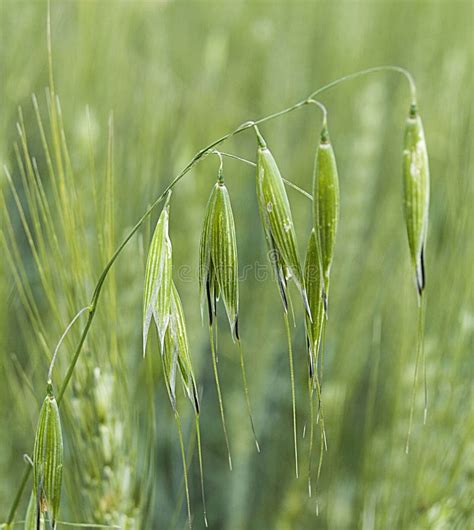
<point x="219" y="395"/>
<point x="63" y="336"/>
<point x="201" y="472"/>
<point x="374" y="69"/>
<point x="293" y="395"/>
<point x="247" y="396"/>
<point x="185" y="468"/>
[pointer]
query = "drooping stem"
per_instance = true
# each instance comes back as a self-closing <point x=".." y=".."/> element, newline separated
<point x="247" y="396"/>
<point x="250" y="163"/>
<point x="201" y="471"/>
<point x="63" y="336"/>
<point x="374" y="69"/>
<point x="322" y="108"/>
<point x="293" y="394"/>
<point x="219" y="394"/>
<point x="185" y="469"/>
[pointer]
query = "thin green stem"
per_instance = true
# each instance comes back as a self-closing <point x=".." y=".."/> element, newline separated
<point x="360" y="73"/>
<point x="293" y="394"/>
<point x="322" y="108"/>
<point x="19" y="493"/>
<point x="185" y="469"/>
<point x="75" y="358"/>
<point x="219" y="395"/>
<point x="287" y="182"/>
<point x="419" y="353"/>
<point x="63" y="336"/>
<point x="201" y="472"/>
<point x="247" y="396"/>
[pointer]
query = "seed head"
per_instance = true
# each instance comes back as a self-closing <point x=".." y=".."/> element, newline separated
<point x="48" y="459"/>
<point x="218" y="263"/>
<point x="277" y="221"/>
<point x="325" y="203"/>
<point x="313" y="283"/>
<point x="416" y="179"/>
<point x="176" y="353"/>
<point x="157" y="293"/>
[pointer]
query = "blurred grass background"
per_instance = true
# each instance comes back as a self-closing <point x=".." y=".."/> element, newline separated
<point x="176" y="75"/>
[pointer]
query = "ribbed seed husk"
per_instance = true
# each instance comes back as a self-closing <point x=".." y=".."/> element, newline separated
<point x="157" y="292"/>
<point x="416" y="179"/>
<point x="218" y="266"/>
<point x="176" y="353"/>
<point x="313" y="283"/>
<point x="48" y="458"/>
<point x="325" y="203"/>
<point x="277" y="221"/>
<point x="31" y="518"/>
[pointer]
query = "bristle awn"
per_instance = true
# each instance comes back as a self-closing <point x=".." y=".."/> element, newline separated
<point x="293" y="395"/>
<point x="201" y="472"/>
<point x="216" y="338"/>
<point x="421" y="343"/>
<point x="219" y="394"/>
<point x="319" y="381"/>
<point x="247" y="396"/>
<point x="323" y="440"/>
<point x="419" y="353"/>
<point x="311" y="434"/>
<point x="185" y="468"/>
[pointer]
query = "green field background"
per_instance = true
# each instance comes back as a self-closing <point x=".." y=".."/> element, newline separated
<point x="142" y="87"/>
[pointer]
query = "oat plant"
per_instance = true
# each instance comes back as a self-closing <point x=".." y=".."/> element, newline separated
<point x="90" y="381"/>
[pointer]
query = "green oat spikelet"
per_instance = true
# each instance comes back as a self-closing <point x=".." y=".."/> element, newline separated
<point x="175" y="358"/>
<point x="416" y="180"/>
<point x="218" y="275"/>
<point x="176" y="353"/>
<point x="48" y="460"/>
<point x="277" y="221"/>
<point x="218" y="250"/>
<point x="157" y="292"/>
<point x="312" y="276"/>
<point x="325" y="205"/>
<point x="416" y="195"/>
<point x="218" y="263"/>
<point x="314" y="330"/>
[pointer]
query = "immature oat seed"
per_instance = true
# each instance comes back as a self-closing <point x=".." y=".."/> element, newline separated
<point x="48" y="460"/>
<point x="325" y="205"/>
<point x="416" y="180"/>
